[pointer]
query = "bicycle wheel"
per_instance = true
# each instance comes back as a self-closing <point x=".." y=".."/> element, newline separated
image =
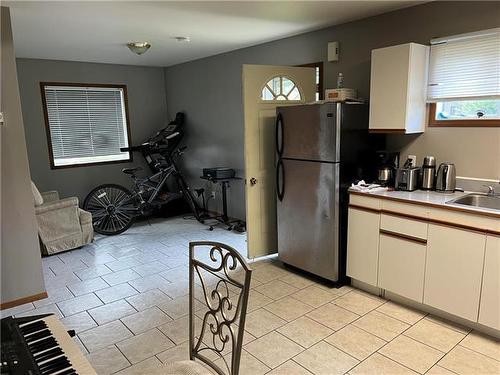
<point x="112" y="207"/>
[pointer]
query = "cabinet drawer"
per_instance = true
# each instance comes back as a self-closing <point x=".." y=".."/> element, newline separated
<point x="364" y="201"/>
<point x="401" y="267"/>
<point x="403" y="226"/>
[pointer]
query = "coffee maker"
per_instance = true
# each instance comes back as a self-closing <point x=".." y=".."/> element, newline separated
<point x="387" y="163"/>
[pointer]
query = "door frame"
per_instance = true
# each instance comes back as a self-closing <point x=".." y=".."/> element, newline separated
<point x="246" y="119"/>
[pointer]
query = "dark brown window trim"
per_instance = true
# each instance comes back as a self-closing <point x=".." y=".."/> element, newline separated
<point x="47" y="127"/>
<point x="320" y="84"/>
<point x="458" y="123"/>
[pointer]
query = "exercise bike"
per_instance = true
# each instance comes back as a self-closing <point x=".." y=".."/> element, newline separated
<point x="114" y="208"/>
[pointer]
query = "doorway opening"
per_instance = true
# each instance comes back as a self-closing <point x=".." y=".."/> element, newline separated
<point x="318" y="69"/>
<point x="266" y="87"/>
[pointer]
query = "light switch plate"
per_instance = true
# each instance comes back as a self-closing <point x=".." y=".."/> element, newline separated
<point x="333" y="51"/>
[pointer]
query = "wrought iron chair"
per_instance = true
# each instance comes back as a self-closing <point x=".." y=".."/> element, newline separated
<point x="219" y="277"/>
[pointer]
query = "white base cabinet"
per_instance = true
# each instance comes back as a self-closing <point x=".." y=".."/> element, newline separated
<point x="489" y="308"/>
<point x="446" y="260"/>
<point x="362" y="242"/>
<point x="401" y="266"/>
<point x="454" y="270"/>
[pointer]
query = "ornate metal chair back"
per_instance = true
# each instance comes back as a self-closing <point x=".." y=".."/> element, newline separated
<point x="219" y="279"/>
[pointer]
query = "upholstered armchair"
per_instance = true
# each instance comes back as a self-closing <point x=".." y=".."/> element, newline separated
<point x="62" y="225"/>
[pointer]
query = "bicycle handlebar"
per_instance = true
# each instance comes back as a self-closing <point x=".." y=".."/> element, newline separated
<point x="134" y="148"/>
<point x="147" y="145"/>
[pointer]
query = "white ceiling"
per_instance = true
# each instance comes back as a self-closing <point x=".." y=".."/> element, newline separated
<point x="98" y="31"/>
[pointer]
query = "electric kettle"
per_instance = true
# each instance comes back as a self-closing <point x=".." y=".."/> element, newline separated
<point x="446" y="178"/>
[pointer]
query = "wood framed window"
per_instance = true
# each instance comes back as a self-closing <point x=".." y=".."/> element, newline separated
<point x="464" y="80"/>
<point x="86" y="124"/>
<point x="469" y="113"/>
<point x="319" y="78"/>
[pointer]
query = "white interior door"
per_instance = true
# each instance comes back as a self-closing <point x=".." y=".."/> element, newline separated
<point x="266" y="87"/>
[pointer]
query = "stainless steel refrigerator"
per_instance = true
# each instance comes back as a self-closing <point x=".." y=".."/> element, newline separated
<point x="321" y="149"/>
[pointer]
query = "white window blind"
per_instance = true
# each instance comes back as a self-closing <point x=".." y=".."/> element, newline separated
<point x="87" y="124"/>
<point x="465" y="67"/>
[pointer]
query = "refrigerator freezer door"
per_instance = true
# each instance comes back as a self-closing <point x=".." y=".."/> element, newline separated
<point x="308" y="132"/>
<point x="308" y="216"/>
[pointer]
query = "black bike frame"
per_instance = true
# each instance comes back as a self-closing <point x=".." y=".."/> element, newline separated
<point x="149" y="182"/>
<point x="161" y="178"/>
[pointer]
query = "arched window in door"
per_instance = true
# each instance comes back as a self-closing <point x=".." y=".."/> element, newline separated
<point x="280" y="88"/>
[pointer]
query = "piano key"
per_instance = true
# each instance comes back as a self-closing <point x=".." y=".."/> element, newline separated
<point x="38" y="335"/>
<point x="21" y="325"/>
<point x="43" y="344"/>
<point x="56" y="368"/>
<point x="43" y="363"/>
<point x="31" y="323"/>
<point x="33" y="327"/>
<point x="67" y="372"/>
<point x="51" y="353"/>
<point x="50" y="365"/>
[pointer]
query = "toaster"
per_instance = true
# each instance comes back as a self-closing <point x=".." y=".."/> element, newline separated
<point x="407" y="178"/>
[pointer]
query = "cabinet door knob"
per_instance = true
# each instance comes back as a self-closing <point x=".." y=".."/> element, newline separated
<point x="253" y="181"/>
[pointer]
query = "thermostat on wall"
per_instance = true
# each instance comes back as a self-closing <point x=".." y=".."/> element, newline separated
<point x="333" y="51"/>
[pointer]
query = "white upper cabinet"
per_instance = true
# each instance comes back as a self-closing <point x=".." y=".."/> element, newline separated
<point x="398" y="88"/>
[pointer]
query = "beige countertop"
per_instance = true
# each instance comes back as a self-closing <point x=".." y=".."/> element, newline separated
<point x="430" y="198"/>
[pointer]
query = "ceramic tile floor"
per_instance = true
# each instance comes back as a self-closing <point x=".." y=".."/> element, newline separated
<point x="126" y="298"/>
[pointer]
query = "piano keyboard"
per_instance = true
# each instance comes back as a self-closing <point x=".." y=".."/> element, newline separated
<point x="40" y="345"/>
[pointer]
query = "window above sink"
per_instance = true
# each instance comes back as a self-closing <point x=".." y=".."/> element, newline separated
<point x="464" y="80"/>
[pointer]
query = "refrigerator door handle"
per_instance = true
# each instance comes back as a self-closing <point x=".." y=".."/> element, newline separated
<point x="280" y="180"/>
<point x="279" y="134"/>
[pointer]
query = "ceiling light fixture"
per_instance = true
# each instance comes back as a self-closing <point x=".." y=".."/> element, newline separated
<point x="184" y="39"/>
<point x="138" y="47"/>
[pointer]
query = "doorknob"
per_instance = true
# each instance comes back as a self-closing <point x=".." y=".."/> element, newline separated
<point x="253" y="181"/>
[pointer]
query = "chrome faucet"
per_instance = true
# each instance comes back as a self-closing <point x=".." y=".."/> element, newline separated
<point x="491" y="189"/>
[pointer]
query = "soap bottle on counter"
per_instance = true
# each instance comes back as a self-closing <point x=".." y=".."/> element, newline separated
<point x="340" y="81"/>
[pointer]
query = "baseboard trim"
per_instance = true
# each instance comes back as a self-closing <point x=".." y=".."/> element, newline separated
<point x="22" y="301"/>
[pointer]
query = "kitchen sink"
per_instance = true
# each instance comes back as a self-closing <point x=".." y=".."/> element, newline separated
<point x="491" y="202"/>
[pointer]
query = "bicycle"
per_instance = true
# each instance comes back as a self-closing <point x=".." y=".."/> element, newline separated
<point x="114" y="208"/>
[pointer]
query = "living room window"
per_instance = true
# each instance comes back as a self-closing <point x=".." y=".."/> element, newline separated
<point x="464" y="80"/>
<point x="86" y="124"/>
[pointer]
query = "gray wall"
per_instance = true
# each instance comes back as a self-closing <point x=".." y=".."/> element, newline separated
<point x="21" y="265"/>
<point x="147" y="112"/>
<point x="209" y="90"/>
